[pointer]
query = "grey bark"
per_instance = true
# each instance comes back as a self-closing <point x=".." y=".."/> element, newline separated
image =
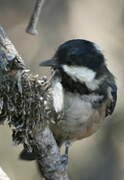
<point x="32" y="26"/>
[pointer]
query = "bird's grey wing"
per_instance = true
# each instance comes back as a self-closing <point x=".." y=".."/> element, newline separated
<point x="112" y="95"/>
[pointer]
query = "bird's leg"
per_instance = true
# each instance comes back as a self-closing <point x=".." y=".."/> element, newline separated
<point x="65" y="155"/>
<point x="67" y="145"/>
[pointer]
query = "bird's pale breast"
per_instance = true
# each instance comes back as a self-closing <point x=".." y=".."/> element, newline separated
<point x="80" y="118"/>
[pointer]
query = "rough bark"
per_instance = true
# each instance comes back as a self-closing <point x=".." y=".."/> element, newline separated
<point x="23" y="105"/>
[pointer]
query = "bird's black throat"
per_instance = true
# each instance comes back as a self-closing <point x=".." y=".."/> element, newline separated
<point x="73" y="86"/>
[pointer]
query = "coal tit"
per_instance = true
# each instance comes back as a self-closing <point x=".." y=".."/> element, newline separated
<point x="83" y="89"/>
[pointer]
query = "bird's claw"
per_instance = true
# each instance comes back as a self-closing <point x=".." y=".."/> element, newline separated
<point x="64" y="160"/>
<point x="62" y="164"/>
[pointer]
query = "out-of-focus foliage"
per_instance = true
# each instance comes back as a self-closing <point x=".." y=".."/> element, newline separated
<point x="101" y="156"/>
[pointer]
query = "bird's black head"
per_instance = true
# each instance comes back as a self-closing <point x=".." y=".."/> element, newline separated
<point x="77" y="52"/>
<point x="79" y="63"/>
<point x="77" y="56"/>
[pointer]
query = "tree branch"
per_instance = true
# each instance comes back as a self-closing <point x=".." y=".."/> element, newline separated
<point x="49" y="156"/>
<point x="32" y="26"/>
<point x="25" y="104"/>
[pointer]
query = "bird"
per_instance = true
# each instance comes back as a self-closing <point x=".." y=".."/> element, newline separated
<point x="83" y="92"/>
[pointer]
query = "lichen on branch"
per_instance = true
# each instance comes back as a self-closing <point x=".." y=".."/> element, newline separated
<point x="22" y="98"/>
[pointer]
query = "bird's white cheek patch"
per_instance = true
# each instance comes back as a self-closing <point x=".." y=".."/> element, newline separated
<point x="58" y="97"/>
<point x="83" y="74"/>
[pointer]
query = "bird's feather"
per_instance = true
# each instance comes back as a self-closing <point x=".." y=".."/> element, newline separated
<point x="58" y="95"/>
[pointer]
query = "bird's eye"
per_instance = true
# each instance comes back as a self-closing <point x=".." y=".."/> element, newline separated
<point x="69" y="61"/>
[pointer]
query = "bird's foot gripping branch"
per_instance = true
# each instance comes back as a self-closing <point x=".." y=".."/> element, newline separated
<point x="23" y="99"/>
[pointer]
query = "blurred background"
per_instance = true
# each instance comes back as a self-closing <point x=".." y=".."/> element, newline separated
<point x="101" y="156"/>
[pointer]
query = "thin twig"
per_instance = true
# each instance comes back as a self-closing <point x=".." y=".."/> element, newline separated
<point x="32" y="26"/>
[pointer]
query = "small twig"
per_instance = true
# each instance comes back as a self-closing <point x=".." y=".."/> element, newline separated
<point x="3" y="175"/>
<point x="32" y="26"/>
<point x="6" y="43"/>
<point x="11" y="51"/>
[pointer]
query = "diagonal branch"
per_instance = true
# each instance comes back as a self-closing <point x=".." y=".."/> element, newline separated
<point x="32" y="26"/>
<point x="23" y="100"/>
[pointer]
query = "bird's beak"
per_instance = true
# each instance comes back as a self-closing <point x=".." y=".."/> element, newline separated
<point x="49" y="62"/>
